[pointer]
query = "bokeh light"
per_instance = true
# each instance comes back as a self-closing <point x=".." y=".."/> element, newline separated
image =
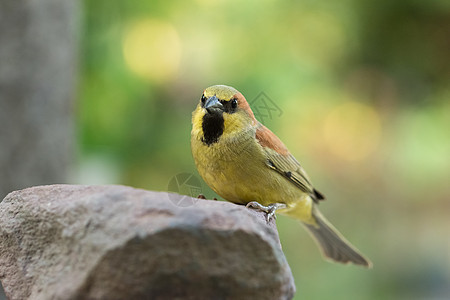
<point x="152" y="49"/>
<point x="352" y="130"/>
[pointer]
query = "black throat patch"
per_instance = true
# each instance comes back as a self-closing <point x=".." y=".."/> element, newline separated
<point x="212" y="126"/>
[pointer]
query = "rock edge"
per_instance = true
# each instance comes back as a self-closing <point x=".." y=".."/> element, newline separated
<point x="116" y="242"/>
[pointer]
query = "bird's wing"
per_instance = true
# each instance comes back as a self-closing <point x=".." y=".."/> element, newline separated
<point x="289" y="168"/>
<point x="280" y="160"/>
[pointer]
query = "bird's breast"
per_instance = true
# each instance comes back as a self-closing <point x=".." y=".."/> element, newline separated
<point x="236" y="170"/>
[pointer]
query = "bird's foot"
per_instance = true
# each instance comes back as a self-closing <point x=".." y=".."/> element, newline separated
<point x="269" y="209"/>
<point x="201" y="196"/>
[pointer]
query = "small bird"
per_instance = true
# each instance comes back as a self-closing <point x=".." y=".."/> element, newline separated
<point x="246" y="163"/>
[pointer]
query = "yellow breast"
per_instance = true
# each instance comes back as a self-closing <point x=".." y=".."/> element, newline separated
<point x="235" y="168"/>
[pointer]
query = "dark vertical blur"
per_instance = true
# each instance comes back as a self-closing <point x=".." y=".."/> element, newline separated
<point x="37" y="76"/>
<point x="38" y="64"/>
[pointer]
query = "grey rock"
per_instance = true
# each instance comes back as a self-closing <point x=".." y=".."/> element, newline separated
<point x="116" y="242"/>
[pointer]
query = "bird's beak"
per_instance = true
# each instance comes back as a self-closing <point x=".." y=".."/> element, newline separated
<point x="213" y="105"/>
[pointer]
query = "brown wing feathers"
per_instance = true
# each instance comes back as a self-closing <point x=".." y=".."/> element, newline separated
<point x="267" y="138"/>
<point x="284" y="163"/>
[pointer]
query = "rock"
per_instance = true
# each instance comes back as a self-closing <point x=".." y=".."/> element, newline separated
<point x="116" y="242"/>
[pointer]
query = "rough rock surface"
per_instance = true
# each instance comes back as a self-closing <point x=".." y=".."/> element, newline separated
<point x="116" y="242"/>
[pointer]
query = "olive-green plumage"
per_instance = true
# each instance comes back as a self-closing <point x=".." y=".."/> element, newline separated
<point x="243" y="161"/>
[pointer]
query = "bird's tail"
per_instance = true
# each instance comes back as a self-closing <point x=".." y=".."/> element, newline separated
<point x="333" y="245"/>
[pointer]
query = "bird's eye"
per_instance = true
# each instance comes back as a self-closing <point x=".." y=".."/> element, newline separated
<point x="234" y="103"/>
<point x="203" y="99"/>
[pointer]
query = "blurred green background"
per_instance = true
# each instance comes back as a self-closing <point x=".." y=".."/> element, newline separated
<point x="363" y="90"/>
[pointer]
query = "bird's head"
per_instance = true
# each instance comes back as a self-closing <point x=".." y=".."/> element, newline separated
<point x="222" y="111"/>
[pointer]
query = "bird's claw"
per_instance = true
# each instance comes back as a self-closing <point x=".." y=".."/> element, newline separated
<point x="269" y="209"/>
<point x="201" y="196"/>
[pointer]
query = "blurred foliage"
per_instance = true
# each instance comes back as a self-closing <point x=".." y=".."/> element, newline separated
<point x="363" y="87"/>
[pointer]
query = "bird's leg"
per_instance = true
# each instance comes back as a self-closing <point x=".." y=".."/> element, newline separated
<point x="201" y="196"/>
<point x="269" y="209"/>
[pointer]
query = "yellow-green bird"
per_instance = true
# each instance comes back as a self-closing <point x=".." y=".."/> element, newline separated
<point x="245" y="163"/>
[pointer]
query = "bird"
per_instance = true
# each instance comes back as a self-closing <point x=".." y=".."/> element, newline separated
<point x="246" y="163"/>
